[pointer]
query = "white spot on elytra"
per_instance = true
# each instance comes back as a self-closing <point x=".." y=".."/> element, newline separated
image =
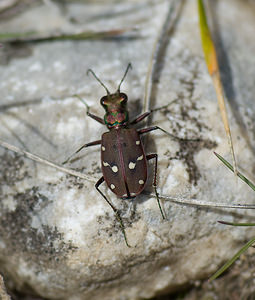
<point x="131" y="165"/>
<point x="137" y="142"/>
<point x="103" y="148"/>
<point x="112" y="186"/>
<point x="140" y="157"/>
<point x="115" y="169"/>
<point x="141" y="181"/>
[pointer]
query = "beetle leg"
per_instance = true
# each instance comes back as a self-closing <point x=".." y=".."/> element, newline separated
<point x="146" y="114"/>
<point x="145" y="130"/>
<point x="98" y="119"/>
<point x="148" y="129"/>
<point x="148" y="157"/>
<point x="99" y="182"/>
<point x="84" y="146"/>
<point x="140" y="118"/>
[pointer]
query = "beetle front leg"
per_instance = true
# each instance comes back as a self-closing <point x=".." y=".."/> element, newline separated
<point x="100" y="181"/>
<point x="155" y="156"/>
<point x="98" y="119"/>
<point x="84" y="146"/>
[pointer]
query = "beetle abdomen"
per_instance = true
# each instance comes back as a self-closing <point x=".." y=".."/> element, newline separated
<point x="124" y="162"/>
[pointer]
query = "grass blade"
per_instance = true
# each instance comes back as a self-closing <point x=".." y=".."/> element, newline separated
<point x="226" y="163"/>
<point x="46" y="162"/>
<point x="236" y="224"/>
<point x="232" y="260"/>
<point x="178" y="200"/>
<point x="213" y="69"/>
<point x="247" y="245"/>
<point x="27" y="37"/>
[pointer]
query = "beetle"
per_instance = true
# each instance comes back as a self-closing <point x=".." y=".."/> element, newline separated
<point x="123" y="159"/>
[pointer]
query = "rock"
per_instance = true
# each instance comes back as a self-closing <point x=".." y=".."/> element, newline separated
<point x="59" y="239"/>
<point x="3" y="293"/>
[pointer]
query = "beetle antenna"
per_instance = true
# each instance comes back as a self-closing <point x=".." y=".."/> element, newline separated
<point x="82" y="100"/>
<point x="93" y="73"/>
<point x="128" y="67"/>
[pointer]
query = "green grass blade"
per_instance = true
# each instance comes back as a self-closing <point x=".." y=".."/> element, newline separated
<point x="246" y="180"/>
<point x="27" y="37"/>
<point x="236" y="224"/>
<point x="15" y="35"/>
<point x="232" y="260"/>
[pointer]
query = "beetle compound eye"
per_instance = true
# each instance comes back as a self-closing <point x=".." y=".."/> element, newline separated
<point x="123" y="98"/>
<point x="103" y="101"/>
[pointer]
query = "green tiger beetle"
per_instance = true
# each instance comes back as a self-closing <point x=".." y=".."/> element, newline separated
<point x="123" y="160"/>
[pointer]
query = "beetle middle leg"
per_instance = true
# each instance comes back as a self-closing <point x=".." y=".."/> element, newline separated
<point x="155" y="156"/>
<point x="148" y="129"/>
<point x="148" y="113"/>
<point x="99" y="182"/>
<point x="140" y="118"/>
<point x="144" y="130"/>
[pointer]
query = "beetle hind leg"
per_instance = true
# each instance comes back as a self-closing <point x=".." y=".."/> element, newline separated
<point x="155" y="156"/>
<point x="83" y="146"/>
<point x="99" y="182"/>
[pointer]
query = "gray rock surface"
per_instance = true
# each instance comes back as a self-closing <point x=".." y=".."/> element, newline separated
<point x="58" y="238"/>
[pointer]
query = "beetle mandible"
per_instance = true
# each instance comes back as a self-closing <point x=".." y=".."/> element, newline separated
<point x="123" y="159"/>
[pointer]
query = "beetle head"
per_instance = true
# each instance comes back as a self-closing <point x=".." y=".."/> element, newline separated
<point x="115" y="106"/>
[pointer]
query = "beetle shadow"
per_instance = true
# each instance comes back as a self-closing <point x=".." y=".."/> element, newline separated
<point x="135" y="109"/>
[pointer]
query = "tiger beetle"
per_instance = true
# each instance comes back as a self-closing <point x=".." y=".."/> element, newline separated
<point x="123" y="160"/>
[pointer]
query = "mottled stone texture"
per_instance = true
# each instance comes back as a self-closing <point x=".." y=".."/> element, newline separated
<point x="58" y="238"/>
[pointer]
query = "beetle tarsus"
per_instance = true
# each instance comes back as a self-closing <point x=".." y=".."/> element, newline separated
<point x="159" y="205"/>
<point x="122" y="228"/>
<point x="155" y="156"/>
